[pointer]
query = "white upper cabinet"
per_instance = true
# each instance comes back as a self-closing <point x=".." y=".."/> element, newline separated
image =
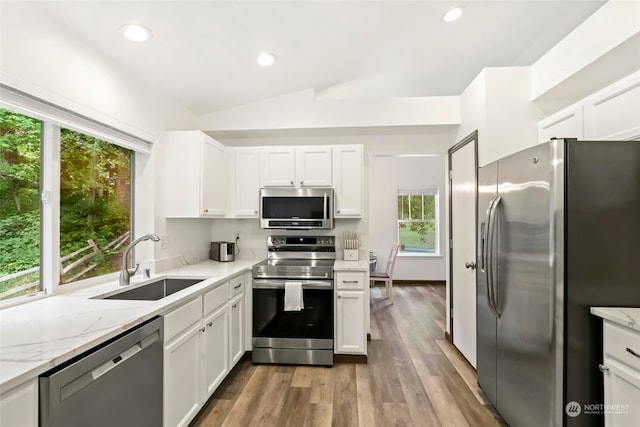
<point x="567" y="123"/>
<point x="614" y="112"/>
<point x="278" y="166"/>
<point x="303" y="166"/>
<point x="313" y="166"/>
<point x="347" y="180"/>
<point x="246" y="182"/>
<point x="195" y="175"/>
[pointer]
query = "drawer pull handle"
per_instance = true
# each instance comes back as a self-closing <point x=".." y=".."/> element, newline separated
<point x="603" y="368"/>
<point x="202" y="330"/>
<point x="236" y="287"/>
<point x="632" y="352"/>
<point x="349" y="281"/>
<point x="234" y="305"/>
<point x="209" y="324"/>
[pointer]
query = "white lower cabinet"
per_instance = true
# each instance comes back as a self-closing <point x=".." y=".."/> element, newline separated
<point x="19" y="406"/>
<point x="182" y="378"/>
<point x="215" y="354"/>
<point x="204" y="339"/>
<point x="236" y="308"/>
<point x="350" y="321"/>
<point x="621" y="369"/>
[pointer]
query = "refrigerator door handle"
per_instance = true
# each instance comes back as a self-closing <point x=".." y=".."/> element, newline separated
<point x="491" y="232"/>
<point x="485" y="258"/>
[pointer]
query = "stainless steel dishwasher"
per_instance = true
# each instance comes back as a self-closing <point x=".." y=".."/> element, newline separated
<point x="119" y="383"/>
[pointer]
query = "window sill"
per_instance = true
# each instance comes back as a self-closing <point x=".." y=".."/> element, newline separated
<point x="418" y="255"/>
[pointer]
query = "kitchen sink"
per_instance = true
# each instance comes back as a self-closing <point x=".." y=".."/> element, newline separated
<point x="155" y="290"/>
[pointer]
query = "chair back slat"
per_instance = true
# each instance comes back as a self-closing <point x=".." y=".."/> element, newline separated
<point x="391" y="262"/>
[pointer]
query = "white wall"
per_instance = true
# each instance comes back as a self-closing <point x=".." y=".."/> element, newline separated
<point x="41" y="59"/>
<point x="386" y="174"/>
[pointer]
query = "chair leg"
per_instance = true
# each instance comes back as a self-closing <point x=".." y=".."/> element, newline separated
<point x="389" y="285"/>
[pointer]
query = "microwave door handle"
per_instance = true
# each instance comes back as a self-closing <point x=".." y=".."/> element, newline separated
<point x="324" y="208"/>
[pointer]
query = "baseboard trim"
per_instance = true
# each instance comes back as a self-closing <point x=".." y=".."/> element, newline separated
<point x="350" y="358"/>
<point x="419" y="282"/>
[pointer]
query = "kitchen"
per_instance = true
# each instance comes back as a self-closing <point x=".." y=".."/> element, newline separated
<point x="87" y="82"/>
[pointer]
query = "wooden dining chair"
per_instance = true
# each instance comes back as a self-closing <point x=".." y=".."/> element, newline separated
<point x="386" y="276"/>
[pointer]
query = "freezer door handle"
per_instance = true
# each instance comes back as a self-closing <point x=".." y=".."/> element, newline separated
<point x="491" y="237"/>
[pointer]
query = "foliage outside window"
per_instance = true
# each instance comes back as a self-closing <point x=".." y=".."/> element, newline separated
<point x="95" y="205"/>
<point x="19" y="204"/>
<point x="95" y="200"/>
<point x="418" y="221"/>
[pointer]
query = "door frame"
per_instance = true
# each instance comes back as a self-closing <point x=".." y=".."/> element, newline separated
<point x="471" y="138"/>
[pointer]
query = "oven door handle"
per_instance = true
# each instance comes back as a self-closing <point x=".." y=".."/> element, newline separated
<point x="279" y="284"/>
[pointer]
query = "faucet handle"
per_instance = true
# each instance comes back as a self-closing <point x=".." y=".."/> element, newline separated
<point x="132" y="271"/>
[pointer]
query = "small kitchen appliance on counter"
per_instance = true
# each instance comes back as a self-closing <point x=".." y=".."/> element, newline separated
<point x="222" y="251"/>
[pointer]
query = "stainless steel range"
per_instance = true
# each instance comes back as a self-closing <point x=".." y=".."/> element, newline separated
<point x="283" y="335"/>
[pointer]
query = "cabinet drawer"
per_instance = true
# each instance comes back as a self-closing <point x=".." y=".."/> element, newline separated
<point x="215" y="298"/>
<point x="181" y="318"/>
<point x="350" y="281"/>
<point x="238" y="284"/>
<point x="622" y="344"/>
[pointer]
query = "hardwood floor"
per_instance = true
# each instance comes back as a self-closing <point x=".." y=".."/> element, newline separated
<point x="413" y="377"/>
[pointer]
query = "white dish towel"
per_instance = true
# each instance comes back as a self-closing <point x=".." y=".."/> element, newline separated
<point x="293" y="300"/>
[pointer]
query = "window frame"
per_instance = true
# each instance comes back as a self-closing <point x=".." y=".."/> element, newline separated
<point x="420" y="191"/>
<point x="53" y="119"/>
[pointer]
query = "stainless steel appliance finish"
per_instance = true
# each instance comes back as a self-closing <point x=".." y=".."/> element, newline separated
<point x="297" y="208"/>
<point x="117" y="384"/>
<point x="222" y="251"/>
<point x="294" y="337"/>
<point x="555" y="237"/>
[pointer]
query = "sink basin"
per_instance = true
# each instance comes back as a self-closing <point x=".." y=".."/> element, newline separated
<point x="155" y="290"/>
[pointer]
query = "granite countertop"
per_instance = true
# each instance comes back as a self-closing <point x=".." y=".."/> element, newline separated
<point x="38" y="335"/>
<point x="624" y="316"/>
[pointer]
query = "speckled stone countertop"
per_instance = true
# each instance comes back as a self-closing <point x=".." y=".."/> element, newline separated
<point x="624" y="316"/>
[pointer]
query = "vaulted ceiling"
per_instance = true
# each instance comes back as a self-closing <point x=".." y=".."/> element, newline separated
<point x="203" y="53"/>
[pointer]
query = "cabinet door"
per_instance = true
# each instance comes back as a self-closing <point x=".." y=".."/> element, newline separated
<point x="567" y="123"/>
<point x="621" y="395"/>
<point x="350" y="328"/>
<point x="612" y="113"/>
<point x="313" y="166"/>
<point x="19" y="406"/>
<point x="277" y="166"/>
<point x="213" y="178"/>
<point x="247" y="182"/>
<point x="236" y="335"/>
<point x="347" y="180"/>
<point x="215" y="350"/>
<point x="181" y="174"/>
<point x="182" y="378"/>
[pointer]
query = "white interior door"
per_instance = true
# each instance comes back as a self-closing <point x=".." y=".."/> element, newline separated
<point x="463" y="254"/>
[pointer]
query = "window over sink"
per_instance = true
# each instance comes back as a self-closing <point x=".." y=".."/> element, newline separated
<point x="65" y="204"/>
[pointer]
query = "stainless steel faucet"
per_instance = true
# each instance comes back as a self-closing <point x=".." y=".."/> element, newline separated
<point x="126" y="273"/>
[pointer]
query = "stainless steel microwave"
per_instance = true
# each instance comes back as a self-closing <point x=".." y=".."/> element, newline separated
<point x="296" y="208"/>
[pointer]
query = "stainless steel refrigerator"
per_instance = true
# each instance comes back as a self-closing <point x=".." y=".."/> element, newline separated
<point x="558" y="232"/>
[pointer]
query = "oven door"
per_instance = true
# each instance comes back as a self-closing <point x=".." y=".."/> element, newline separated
<point x="310" y="328"/>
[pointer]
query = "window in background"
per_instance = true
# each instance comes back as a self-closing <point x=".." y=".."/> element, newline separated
<point x="20" y="138"/>
<point x="95" y="205"/>
<point x="418" y="221"/>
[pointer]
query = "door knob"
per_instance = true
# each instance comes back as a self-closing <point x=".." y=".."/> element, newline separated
<point x="471" y="265"/>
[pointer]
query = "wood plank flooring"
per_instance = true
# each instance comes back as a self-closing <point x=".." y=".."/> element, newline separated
<point x="414" y="377"/>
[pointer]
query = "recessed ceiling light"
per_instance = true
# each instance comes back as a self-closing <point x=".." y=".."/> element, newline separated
<point x="453" y="14"/>
<point x="136" y="33"/>
<point x="266" y="58"/>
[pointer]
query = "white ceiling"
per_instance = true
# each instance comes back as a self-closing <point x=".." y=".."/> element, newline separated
<point x="203" y="53"/>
